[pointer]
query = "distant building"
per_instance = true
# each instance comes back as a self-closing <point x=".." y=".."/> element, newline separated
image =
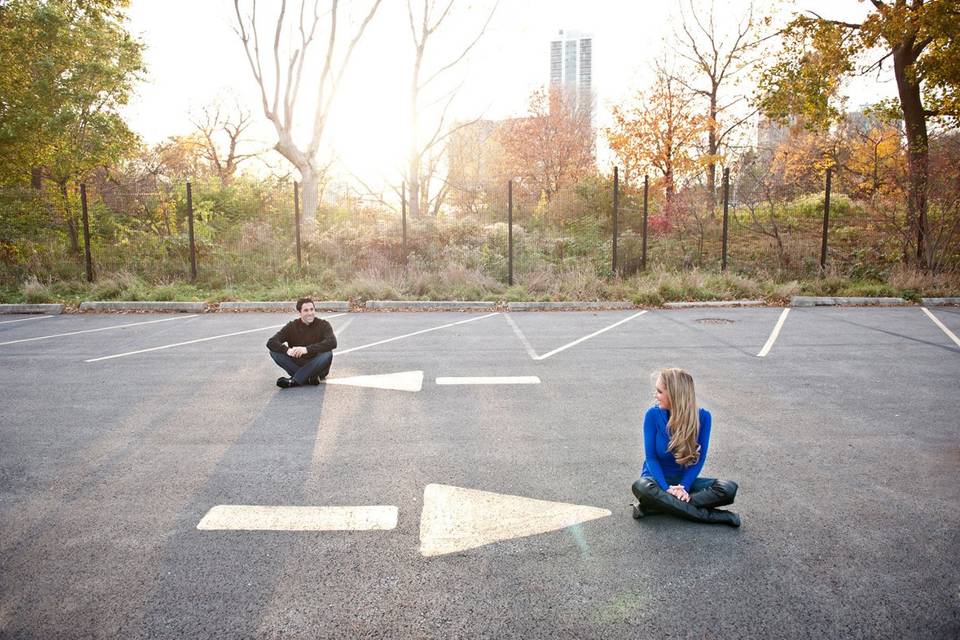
<point x="474" y="155"/>
<point x="863" y="120"/>
<point x="571" y="67"/>
<point x="770" y="133"/>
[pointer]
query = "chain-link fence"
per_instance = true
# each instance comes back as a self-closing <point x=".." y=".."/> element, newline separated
<point x="511" y="232"/>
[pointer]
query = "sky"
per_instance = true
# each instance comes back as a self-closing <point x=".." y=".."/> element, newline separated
<point x="194" y="57"/>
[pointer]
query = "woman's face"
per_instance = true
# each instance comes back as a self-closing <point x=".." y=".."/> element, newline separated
<point x="661" y="394"/>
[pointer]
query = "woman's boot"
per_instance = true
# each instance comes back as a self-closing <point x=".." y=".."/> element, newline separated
<point x="651" y="496"/>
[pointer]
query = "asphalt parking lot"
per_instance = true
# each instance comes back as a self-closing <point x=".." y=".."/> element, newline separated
<point x="486" y="460"/>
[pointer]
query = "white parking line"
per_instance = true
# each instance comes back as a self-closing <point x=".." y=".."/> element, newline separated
<point x="595" y="333"/>
<point x="343" y="327"/>
<point x="116" y="326"/>
<point x="180" y="344"/>
<point x="489" y="380"/>
<point x="240" y="517"/>
<point x="523" y="338"/>
<point x="24" y="319"/>
<point x="943" y="328"/>
<point x="773" y="336"/>
<point x="415" y="333"/>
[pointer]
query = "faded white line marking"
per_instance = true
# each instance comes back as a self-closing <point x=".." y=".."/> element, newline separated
<point x="24" y="319"/>
<point x="489" y="380"/>
<point x="343" y="327"/>
<point x="115" y="326"/>
<point x="180" y="344"/>
<point x="402" y="381"/>
<point x="239" y="517"/>
<point x="523" y="338"/>
<point x="594" y="334"/>
<point x="943" y="327"/>
<point x="773" y="336"/>
<point x="415" y="333"/>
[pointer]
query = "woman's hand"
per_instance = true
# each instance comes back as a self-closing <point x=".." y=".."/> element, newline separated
<point x="678" y="492"/>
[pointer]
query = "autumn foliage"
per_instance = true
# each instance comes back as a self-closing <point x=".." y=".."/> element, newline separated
<point x="658" y="131"/>
<point x="552" y="147"/>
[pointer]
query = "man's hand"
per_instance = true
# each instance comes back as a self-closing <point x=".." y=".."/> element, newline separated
<point x="678" y="492"/>
<point x="297" y="352"/>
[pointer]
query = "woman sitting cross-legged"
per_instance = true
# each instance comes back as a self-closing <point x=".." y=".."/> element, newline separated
<point x="676" y="436"/>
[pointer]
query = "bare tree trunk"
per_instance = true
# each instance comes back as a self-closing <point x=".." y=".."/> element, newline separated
<point x="413" y="185"/>
<point x="72" y="230"/>
<point x="310" y="199"/>
<point x="668" y="191"/>
<point x="418" y="183"/>
<point x="915" y="125"/>
<point x="712" y="150"/>
<point x="281" y="114"/>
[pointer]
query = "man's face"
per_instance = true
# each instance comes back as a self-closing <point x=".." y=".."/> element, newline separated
<point x="307" y="312"/>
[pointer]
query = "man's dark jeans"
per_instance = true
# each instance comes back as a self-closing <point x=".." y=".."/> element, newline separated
<point x="302" y="369"/>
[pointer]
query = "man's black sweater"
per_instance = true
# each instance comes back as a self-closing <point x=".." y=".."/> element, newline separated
<point x="317" y="337"/>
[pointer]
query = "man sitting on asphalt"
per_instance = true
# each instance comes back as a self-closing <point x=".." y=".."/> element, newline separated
<point x="303" y="347"/>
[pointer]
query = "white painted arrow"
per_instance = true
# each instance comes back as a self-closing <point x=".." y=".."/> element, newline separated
<point x="456" y="519"/>
<point x="402" y="381"/>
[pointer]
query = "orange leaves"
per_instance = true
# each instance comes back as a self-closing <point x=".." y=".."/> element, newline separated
<point x="553" y="146"/>
<point x="659" y="130"/>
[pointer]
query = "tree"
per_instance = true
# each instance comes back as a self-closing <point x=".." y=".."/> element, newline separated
<point x="287" y="75"/>
<point x="945" y="199"/>
<point x="221" y="136"/>
<point x="552" y="146"/>
<point x="874" y="158"/>
<point x="424" y="153"/>
<point x="67" y="67"/>
<point x="920" y="37"/>
<point x="659" y="130"/>
<point x="717" y="60"/>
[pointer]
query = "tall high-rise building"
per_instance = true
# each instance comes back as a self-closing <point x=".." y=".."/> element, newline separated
<point x="571" y="66"/>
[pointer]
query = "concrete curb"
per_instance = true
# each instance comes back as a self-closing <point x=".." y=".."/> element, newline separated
<point x="428" y="305"/>
<point x="286" y="306"/>
<point x="568" y="306"/>
<point x="714" y="303"/>
<point x="181" y="307"/>
<point x="940" y="301"/>
<point x="822" y="301"/>
<point x="49" y="309"/>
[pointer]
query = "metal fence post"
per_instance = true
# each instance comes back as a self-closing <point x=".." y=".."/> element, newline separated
<point x="296" y="222"/>
<point x="510" y="233"/>
<point x="616" y="210"/>
<point x="646" y="188"/>
<point x="88" y="258"/>
<point x="403" y="213"/>
<point x="726" y="204"/>
<point x="826" y="222"/>
<point x="193" y="246"/>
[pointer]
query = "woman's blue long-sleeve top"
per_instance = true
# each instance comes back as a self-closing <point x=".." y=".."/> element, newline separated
<point x="658" y="462"/>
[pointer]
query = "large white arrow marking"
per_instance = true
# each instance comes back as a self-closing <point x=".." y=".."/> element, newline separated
<point x="455" y="519"/>
<point x="402" y="381"/>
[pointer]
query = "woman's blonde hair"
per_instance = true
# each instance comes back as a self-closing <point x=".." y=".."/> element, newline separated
<point x="684" y="424"/>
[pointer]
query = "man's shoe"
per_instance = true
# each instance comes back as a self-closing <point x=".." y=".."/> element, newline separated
<point x="637" y="512"/>
<point x="286" y="383"/>
<point x="314" y="380"/>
